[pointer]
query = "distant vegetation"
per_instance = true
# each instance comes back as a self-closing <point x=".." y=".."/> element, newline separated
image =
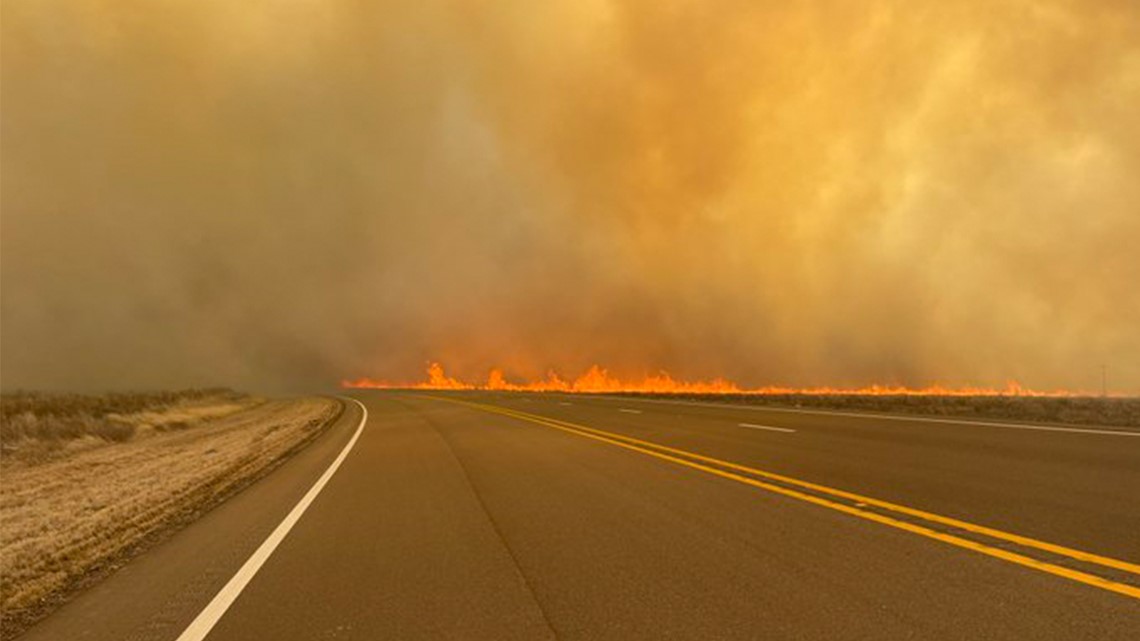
<point x="1080" y="410"/>
<point x="36" y="425"/>
<point x="89" y="481"/>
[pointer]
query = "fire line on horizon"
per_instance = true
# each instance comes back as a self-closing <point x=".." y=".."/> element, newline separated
<point x="598" y="380"/>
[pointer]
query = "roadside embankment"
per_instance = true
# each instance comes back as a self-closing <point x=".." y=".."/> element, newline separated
<point x="87" y="484"/>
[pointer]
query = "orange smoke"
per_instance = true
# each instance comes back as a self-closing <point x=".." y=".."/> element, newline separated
<point x="598" y="380"/>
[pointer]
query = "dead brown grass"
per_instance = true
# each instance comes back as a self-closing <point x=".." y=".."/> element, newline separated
<point x="35" y="427"/>
<point x="70" y="517"/>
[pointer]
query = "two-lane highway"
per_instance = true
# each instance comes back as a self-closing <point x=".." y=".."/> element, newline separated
<point x="1076" y="485"/>
<point x="500" y="516"/>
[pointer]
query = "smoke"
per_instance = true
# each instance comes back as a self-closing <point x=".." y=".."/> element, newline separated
<point x="280" y="194"/>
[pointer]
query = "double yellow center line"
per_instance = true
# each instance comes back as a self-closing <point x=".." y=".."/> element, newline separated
<point x="891" y="514"/>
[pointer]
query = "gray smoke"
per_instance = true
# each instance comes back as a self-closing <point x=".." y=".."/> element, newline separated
<point x="279" y="195"/>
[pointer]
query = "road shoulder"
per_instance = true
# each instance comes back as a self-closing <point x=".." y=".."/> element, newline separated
<point x="162" y="590"/>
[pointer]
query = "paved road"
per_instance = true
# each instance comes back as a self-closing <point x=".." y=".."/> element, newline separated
<point x="499" y="516"/>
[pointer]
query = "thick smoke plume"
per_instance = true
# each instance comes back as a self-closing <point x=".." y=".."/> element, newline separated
<point x="282" y="194"/>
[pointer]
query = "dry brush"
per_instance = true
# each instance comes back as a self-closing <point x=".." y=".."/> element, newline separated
<point x="78" y="498"/>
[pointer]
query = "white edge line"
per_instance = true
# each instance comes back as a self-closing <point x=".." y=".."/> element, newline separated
<point x="629" y="411"/>
<point x="208" y="617"/>
<point x="888" y="417"/>
<point x="765" y="427"/>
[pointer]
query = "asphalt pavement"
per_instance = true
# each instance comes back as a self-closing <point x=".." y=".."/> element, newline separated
<point x="486" y="515"/>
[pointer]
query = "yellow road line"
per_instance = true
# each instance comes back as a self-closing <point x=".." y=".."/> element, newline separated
<point x="658" y="451"/>
<point x="902" y="509"/>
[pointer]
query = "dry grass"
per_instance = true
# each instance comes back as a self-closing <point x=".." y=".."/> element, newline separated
<point x="78" y="509"/>
<point x="35" y="427"/>
<point x="1086" y="410"/>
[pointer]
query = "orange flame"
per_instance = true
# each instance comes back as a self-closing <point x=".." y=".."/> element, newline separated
<point x="598" y="380"/>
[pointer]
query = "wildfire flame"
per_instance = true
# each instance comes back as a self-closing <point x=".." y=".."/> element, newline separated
<point x="598" y="380"/>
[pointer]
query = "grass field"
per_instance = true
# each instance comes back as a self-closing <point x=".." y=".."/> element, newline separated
<point x="90" y="481"/>
<point x="36" y="427"/>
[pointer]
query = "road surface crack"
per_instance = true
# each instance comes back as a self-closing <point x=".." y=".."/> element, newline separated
<point x="495" y="527"/>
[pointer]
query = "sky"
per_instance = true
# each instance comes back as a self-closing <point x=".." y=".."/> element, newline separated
<point x="280" y="194"/>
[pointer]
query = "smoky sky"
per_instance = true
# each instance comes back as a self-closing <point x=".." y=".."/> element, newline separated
<point x="278" y="194"/>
